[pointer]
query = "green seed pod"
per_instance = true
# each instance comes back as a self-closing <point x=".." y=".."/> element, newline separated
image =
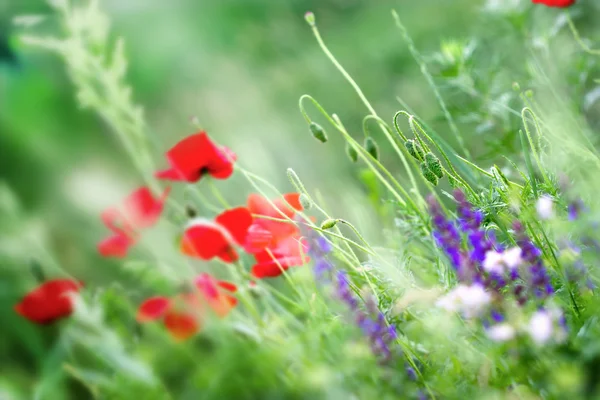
<point x="318" y="132"/>
<point x="305" y="202"/>
<point x="328" y="223"/>
<point x="351" y="152"/>
<point x="37" y="272"/>
<point x="428" y="174"/>
<point x="414" y="149"/>
<point x="433" y="163"/>
<point x="371" y="147"/>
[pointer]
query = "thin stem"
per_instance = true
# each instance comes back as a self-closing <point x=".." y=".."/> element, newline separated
<point x="578" y="38"/>
<point x="367" y="104"/>
<point x="425" y="71"/>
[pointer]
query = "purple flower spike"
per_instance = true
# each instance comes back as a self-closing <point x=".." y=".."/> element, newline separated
<point x="539" y="280"/>
<point x="370" y="320"/>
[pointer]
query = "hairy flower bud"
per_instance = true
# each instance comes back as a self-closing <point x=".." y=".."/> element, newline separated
<point x="433" y="163"/>
<point x="328" y="223"/>
<point x="351" y="152"/>
<point x="36" y="271"/>
<point x="318" y="132"/>
<point x="371" y="147"/>
<point x="428" y="174"/>
<point x="310" y="18"/>
<point x="414" y="149"/>
<point x="305" y="201"/>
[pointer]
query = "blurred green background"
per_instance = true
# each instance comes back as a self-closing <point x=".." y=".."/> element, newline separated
<point x="240" y="66"/>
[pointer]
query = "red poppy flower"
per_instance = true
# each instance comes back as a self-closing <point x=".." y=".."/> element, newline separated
<point x="195" y="156"/>
<point x="207" y="239"/>
<point x="556" y="3"/>
<point x="183" y="315"/>
<point x="271" y="265"/>
<point x="275" y="244"/>
<point x="49" y="302"/>
<point x="267" y="232"/>
<point x="140" y="210"/>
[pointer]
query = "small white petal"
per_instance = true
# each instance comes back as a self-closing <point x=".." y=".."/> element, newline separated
<point x="449" y="302"/>
<point x="493" y="262"/>
<point x="512" y="257"/>
<point x="469" y="300"/>
<point x="474" y="300"/>
<point x="540" y="327"/>
<point x="545" y="207"/>
<point x="501" y="332"/>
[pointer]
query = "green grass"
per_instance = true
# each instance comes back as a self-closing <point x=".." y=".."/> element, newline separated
<point x="500" y="98"/>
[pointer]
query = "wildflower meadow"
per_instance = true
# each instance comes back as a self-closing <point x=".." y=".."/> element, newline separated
<point x="300" y="199"/>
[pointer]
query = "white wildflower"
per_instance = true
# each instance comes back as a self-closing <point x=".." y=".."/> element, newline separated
<point x="493" y="262"/>
<point x="469" y="300"/>
<point x="499" y="262"/>
<point x="512" y="257"/>
<point x="501" y="332"/>
<point x="540" y="327"/>
<point x="545" y="207"/>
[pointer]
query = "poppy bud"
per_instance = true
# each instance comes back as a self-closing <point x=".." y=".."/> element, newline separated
<point x="433" y="163"/>
<point x="305" y="202"/>
<point x="310" y="18"/>
<point x="414" y="149"/>
<point x="516" y="87"/>
<point x="190" y="211"/>
<point x="371" y="147"/>
<point x="36" y="271"/>
<point x="529" y="93"/>
<point x="351" y="152"/>
<point x="318" y="132"/>
<point x="328" y="223"/>
<point x="428" y="174"/>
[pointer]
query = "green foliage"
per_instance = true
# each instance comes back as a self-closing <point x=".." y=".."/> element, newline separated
<point x="506" y="109"/>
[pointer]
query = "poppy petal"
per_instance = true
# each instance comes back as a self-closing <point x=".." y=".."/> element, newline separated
<point x="279" y="209"/>
<point x="181" y="325"/>
<point x="229" y="255"/>
<point x="556" y="3"/>
<point x="116" y="246"/>
<point x="170" y="174"/>
<point x="236" y="221"/>
<point x="153" y="308"/>
<point x="49" y="302"/>
<point x="195" y="155"/>
<point x="110" y="217"/>
<point x="188" y="158"/>
<point x="209" y="287"/>
<point x="227" y="286"/>
<point x="293" y="199"/>
<point x="142" y="209"/>
<point x="204" y="241"/>
<point x="221" y="165"/>
<point x="267" y="270"/>
<point x="257" y="239"/>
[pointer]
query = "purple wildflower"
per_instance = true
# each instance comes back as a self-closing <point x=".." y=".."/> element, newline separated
<point x="446" y="235"/>
<point x="371" y="320"/>
<point x="469" y="248"/>
<point x="575" y="208"/>
<point x="539" y="280"/>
